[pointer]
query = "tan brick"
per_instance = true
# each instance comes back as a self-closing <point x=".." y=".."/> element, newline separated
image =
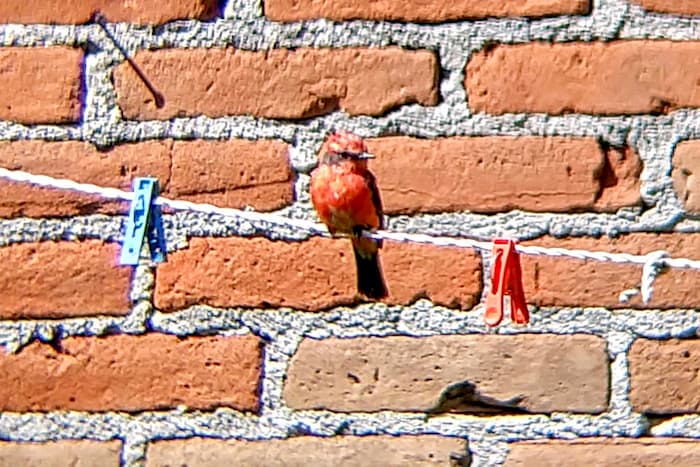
<point x="642" y="452"/>
<point x="133" y="373"/>
<point x="684" y="7"/>
<point x="276" y="83"/>
<point x="548" y="372"/>
<point x="141" y="12"/>
<point x="561" y="281"/>
<point x="416" y="10"/>
<point x="60" y="454"/>
<point x="311" y="275"/>
<point x="491" y="174"/>
<point x="61" y="279"/>
<point x="232" y="173"/>
<point x="664" y="375"/>
<point x="40" y="85"/>
<point x="619" y="77"/>
<point x="345" y="451"/>
<point x="686" y="167"/>
<point x="619" y="179"/>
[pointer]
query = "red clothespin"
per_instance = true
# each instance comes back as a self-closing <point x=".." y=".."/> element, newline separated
<point x="506" y="279"/>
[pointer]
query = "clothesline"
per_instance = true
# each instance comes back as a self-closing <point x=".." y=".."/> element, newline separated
<point x="653" y="262"/>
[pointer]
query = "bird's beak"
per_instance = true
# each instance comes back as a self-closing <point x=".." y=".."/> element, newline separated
<point x="365" y="155"/>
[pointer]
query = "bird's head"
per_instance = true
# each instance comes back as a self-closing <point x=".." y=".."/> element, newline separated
<point x="345" y="147"/>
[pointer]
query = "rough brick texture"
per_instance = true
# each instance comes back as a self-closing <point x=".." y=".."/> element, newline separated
<point x="492" y="174"/>
<point x="232" y="173"/>
<point x="416" y="10"/>
<point x="346" y="451"/>
<point x="664" y="376"/>
<point x="683" y="7"/>
<point x="277" y="83"/>
<point x="132" y="373"/>
<point x="311" y="275"/>
<point x="642" y="452"/>
<point x="60" y="454"/>
<point x="541" y="373"/>
<point x="686" y="168"/>
<point x="60" y="279"/>
<point x="143" y="11"/>
<point x="584" y="77"/>
<point x="550" y="281"/>
<point x="40" y="85"/>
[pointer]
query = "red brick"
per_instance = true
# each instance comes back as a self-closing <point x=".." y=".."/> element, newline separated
<point x="416" y="10"/>
<point x="619" y="77"/>
<point x="133" y="373"/>
<point x="491" y="174"/>
<point x="232" y="173"/>
<point x="278" y="83"/>
<point x="40" y="85"/>
<point x="60" y="454"/>
<point x="77" y="161"/>
<point x="561" y="281"/>
<point x="61" y="279"/>
<point x="141" y="12"/>
<point x="686" y="166"/>
<point x="664" y="376"/>
<point x="684" y="7"/>
<point x="548" y="372"/>
<point x="345" y="451"/>
<point x="620" y="452"/>
<point x="310" y="275"/>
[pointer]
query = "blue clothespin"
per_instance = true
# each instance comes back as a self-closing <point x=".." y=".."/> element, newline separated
<point x="144" y="220"/>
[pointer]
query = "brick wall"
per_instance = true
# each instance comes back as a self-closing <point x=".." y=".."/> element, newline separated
<point x="564" y="123"/>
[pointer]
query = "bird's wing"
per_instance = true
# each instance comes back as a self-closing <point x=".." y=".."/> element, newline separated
<point x="371" y="181"/>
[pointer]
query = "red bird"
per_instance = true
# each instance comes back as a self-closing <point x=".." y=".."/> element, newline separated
<point x="345" y="195"/>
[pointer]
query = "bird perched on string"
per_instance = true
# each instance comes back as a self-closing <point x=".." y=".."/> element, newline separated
<point x="345" y="195"/>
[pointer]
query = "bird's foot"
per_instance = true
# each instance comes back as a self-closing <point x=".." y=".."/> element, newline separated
<point x="357" y="230"/>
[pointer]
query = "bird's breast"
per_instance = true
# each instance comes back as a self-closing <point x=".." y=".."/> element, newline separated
<point x="343" y="199"/>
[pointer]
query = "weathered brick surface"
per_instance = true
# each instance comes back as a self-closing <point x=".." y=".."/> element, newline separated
<point x="416" y="10"/>
<point x="132" y="373"/>
<point x="143" y="11"/>
<point x="620" y="77"/>
<point x="686" y="168"/>
<point x="664" y="375"/>
<point x="646" y="452"/>
<point x="345" y="451"/>
<point x="311" y="275"/>
<point x="77" y="161"/>
<point x="548" y="372"/>
<point x="491" y="174"/>
<point x="60" y="454"/>
<point x="40" y="85"/>
<point x="560" y="281"/>
<point x="232" y="173"/>
<point x="684" y="7"/>
<point x="60" y="279"/>
<point x="276" y="83"/>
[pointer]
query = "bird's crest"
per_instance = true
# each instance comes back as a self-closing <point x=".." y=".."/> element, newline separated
<point x="344" y="141"/>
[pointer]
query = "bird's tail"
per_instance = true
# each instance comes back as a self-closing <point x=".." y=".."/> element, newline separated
<point x="370" y="280"/>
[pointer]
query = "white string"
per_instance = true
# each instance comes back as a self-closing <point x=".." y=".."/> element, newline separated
<point x="652" y="262"/>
